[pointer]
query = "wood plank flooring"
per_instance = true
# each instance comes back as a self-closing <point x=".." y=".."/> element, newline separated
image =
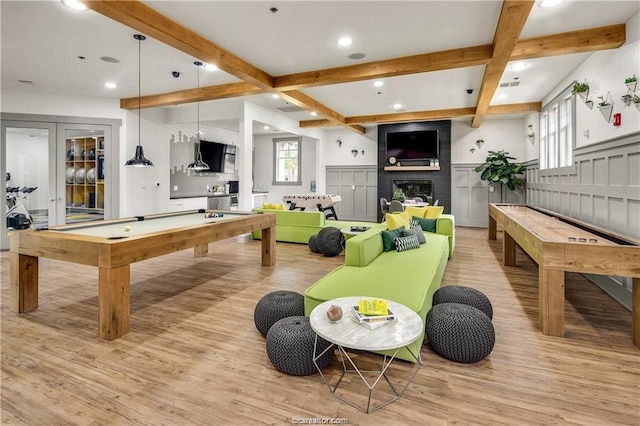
<point x="194" y="356"/>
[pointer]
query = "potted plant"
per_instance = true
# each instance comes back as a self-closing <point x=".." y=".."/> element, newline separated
<point x="579" y="88"/>
<point x="627" y="99"/>
<point x="498" y="169"/>
<point x="636" y="100"/>
<point x="605" y="107"/>
<point x="398" y="194"/>
<point x="631" y="82"/>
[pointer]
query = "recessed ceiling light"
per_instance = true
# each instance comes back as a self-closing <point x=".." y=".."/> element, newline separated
<point x="313" y="113"/>
<point x="550" y="3"/>
<point x="110" y="85"/>
<point x="345" y="41"/>
<point x="397" y="105"/>
<point x="378" y="83"/>
<point x="210" y="67"/>
<point x="26" y="82"/>
<point x="518" y="66"/>
<point x="502" y="96"/>
<point x="266" y="127"/>
<point x="275" y="96"/>
<point x="75" y="5"/>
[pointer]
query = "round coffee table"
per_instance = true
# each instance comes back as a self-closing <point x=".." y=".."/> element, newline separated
<point x="346" y="334"/>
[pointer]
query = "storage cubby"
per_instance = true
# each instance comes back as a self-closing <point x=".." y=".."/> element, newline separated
<point x="84" y="174"/>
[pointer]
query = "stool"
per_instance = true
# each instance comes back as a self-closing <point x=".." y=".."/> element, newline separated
<point x="313" y="244"/>
<point x="466" y="296"/>
<point x="330" y="241"/>
<point x="290" y="343"/>
<point x="460" y="332"/>
<point x="277" y="305"/>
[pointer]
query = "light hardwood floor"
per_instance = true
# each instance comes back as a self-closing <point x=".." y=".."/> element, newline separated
<point x="194" y="356"/>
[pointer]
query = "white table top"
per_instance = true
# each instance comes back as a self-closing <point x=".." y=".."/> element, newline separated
<point x="404" y="330"/>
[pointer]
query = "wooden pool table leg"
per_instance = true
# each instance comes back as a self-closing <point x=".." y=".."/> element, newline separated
<point x="268" y="246"/>
<point x="114" y="302"/>
<point x="551" y="301"/>
<point x="24" y="282"/>
<point x="201" y="250"/>
<point x="635" y="311"/>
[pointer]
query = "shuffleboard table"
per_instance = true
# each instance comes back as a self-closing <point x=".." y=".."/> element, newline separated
<point x="113" y="245"/>
<point x="560" y="244"/>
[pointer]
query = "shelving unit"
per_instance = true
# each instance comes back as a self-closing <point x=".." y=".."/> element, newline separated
<point x="411" y="168"/>
<point x="84" y="174"/>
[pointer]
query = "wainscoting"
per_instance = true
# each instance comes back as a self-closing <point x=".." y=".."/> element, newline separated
<point x="358" y="188"/>
<point x="602" y="189"/>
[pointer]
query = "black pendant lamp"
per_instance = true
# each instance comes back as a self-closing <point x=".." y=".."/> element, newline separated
<point x="139" y="160"/>
<point x="198" y="164"/>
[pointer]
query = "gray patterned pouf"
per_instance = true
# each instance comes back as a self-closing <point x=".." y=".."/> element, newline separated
<point x="460" y="332"/>
<point x="330" y="241"/>
<point x="290" y="344"/>
<point x="277" y="305"/>
<point x="466" y="296"/>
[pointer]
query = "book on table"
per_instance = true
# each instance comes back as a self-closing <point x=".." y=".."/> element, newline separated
<point x="372" y="321"/>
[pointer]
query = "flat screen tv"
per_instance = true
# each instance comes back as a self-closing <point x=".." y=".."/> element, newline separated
<point x="213" y="154"/>
<point x="418" y="145"/>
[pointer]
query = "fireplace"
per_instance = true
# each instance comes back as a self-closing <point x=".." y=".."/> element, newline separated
<point x="422" y="188"/>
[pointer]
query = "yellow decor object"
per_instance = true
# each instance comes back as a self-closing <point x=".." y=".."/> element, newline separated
<point x="396" y="220"/>
<point x="416" y="211"/>
<point x="269" y="206"/>
<point x="279" y="206"/>
<point x="433" y="212"/>
<point x="373" y="307"/>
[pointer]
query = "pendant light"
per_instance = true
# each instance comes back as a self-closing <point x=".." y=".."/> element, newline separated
<point x="198" y="164"/>
<point x="139" y="160"/>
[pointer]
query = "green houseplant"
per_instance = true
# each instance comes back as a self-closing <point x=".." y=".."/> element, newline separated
<point x="398" y="194"/>
<point x="497" y="169"/>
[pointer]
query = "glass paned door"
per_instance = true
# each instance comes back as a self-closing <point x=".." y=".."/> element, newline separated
<point x="28" y="189"/>
<point x="85" y="171"/>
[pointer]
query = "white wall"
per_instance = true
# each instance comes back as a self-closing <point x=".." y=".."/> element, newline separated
<point x="340" y="155"/>
<point x="139" y="194"/>
<point x="605" y="72"/>
<point x="498" y="134"/>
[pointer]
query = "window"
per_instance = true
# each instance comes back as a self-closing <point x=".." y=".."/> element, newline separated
<point x="287" y="155"/>
<point x="557" y="137"/>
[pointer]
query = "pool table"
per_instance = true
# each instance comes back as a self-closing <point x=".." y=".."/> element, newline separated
<point x="112" y="245"/>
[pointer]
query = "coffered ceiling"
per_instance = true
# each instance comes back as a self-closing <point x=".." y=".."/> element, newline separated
<point x="427" y="53"/>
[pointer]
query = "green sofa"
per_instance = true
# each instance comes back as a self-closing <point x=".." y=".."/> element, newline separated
<point x="296" y="226"/>
<point x="410" y="277"/>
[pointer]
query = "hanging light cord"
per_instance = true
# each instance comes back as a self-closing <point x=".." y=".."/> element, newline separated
<point x="198" y="103"/>
<point x="139" y="82"/>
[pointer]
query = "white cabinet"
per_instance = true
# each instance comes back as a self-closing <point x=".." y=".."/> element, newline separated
<point x="180" y="204"/>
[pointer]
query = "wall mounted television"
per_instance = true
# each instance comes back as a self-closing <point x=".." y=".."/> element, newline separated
<point x="213" y="154"/>
<point x="418" y="145"/>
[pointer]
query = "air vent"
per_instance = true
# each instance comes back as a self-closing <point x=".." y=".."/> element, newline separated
<point x="290" y="108"/>
<point x="510" y="84"/>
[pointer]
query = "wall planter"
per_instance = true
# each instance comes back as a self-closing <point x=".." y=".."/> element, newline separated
<point x="631" y="83"/>
<point x="582" y="90"/>
<point x="605" y="106"/>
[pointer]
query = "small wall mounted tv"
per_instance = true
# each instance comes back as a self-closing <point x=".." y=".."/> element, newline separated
<point x="417" y="145"/>
<point x="213" y="154"/>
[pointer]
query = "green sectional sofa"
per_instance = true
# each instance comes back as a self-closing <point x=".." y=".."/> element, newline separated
<point x="410" y="277"/>
<point x="296" y="226"/>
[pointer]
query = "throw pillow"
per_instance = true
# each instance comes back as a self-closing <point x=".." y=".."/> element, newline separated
<point x="417" y="232"/>
<point x="396" y="220"/>
<point x="269" y="206"/>
<point x="407" y="243"/>
<point x="433" y="212"/>
<point x="428" y="225"/>
<point x="278" y="207"/>
<point x="389" y="238"/>
<point x="416" y="211"/>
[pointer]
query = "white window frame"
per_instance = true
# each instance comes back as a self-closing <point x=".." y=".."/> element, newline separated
<point x="557" y="133"/>
<point x="281" y="180"/>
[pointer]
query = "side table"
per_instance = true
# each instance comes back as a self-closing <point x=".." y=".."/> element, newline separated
<point x="347" y="334"/>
